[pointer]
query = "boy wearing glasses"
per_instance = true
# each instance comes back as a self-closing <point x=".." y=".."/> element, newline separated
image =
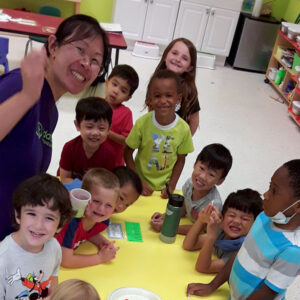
<point x="104" y="187"/>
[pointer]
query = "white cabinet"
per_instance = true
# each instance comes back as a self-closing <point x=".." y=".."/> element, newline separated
<point x="148" y="20"/>
<point x="209" y="24"/>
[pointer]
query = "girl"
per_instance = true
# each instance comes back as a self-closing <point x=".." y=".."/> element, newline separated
<point x="70" y="61"/>
<point x="74" y="289"/>
<point x="180" y="57"/>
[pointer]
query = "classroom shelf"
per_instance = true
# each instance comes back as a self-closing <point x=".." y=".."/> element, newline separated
<point x="284" y="42"/>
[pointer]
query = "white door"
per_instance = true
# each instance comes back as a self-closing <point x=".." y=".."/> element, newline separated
<point x="131" y="15"/>
<point x="191" y="22"/>
<point x="219" y="31"/>
<point x="160" y="21"/>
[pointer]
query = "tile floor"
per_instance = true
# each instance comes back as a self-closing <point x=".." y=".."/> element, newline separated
<point x="236" y="110"/>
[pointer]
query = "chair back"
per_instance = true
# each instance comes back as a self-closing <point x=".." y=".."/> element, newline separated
<point x="3" y="52"/>
<point x="49" y="11"/>
<point x="3" y="47"/>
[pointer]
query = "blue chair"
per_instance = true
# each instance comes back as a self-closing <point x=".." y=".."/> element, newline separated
<point x="44" y="10"/>
<point x="3" y="53"/>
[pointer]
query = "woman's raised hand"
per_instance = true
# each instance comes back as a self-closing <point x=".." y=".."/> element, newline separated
<point x="33" y="69"/>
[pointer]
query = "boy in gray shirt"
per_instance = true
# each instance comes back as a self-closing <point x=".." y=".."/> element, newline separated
<point x="30" y="257"/>
<point x="210" y="169"/>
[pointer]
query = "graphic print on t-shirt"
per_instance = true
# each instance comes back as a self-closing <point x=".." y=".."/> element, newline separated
<point x="34" y="287"/>
<point x="161" y="145"/>
<point x="44" y="135"/>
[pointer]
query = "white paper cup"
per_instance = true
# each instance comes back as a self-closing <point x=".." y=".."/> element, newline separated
<point x="79" y="199"/>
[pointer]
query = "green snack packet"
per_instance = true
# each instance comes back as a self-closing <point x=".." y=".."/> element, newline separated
<point x="133" y="232"/>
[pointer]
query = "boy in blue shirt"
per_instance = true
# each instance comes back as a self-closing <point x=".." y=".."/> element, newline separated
<point x="225" y="234"/>
<point x="268" y="261"/>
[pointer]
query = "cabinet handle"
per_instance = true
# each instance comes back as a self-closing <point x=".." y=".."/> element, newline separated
<point x="212" y="12"/>
<point x="207" y="10"/>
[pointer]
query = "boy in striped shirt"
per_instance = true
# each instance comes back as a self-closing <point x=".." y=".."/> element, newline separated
<point x="269" y="259"/>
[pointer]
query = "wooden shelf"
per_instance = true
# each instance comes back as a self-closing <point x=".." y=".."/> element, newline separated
<point x="284" y="66"/>
<point x="276" y="87"/>
<point x="284" y="42"/>
<point x="294" y="44"/>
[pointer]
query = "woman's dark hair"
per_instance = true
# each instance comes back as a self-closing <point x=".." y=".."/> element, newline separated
<point x="293" y="167"/>
<point x="80" y="27"/>
<point x="247" y="200"/>
<point x="189" y="89"/>
<point x="217" y="157"/>
<point x="93" y="108"/>
<point x="126" y="175"/>
<point x="44" y="190"/>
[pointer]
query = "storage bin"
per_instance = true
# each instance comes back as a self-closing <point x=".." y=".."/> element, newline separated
<point x="146" y="50"/>
<point x="293" y="33"/>
<point x="284" y="27"/>
<point x="296" y="62"/>
<point x="296" y="107"/>
<point x="205" y="60"/>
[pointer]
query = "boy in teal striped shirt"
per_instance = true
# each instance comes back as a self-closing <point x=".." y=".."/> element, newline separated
<point x="269" y="259"/>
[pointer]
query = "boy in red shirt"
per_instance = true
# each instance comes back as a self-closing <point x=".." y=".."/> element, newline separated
<point x="88" y="150"/>
<point x="120" y="85"/>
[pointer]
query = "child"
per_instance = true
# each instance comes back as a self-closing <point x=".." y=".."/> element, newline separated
<point x="210" y="169"/>
<point x="93" y="120"/>
<point x="238" y="214"/>
<point x="74" y="289"/>
<point x="180" y="56"/>
<point x="30" y="257"/>
<point x="104" y="188"/>
<point x="162" y="138"/>
<point x="120" y="85"/>
<point x="130" y="188"/>
<point x="269" y="257"/>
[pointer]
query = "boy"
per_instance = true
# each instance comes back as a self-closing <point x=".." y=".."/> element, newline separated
<point x="104" y="188"/>
<point x="120" y="86"/>
<point x="88" y="150"/>
<point x="238" y="214"/>
<point x="130" y="188"/>
<point x="210" y="169"/>
<point x="269" y="257"/>
<point x="30" y="257"/>
<point x="162" y="138"/>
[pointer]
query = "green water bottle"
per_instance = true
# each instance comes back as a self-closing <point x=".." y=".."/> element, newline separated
<point x="279" y="76"/>
<point x="172" y="218"/>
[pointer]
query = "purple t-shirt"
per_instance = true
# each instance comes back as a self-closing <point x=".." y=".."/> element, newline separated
<point x="27" y="149"/>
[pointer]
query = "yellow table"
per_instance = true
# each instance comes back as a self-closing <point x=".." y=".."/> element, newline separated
<point x="165" y="269"/>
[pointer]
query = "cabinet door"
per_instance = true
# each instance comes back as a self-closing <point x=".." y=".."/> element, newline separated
<point x="131" y="15"/>
<point x="191" y="22"/>
<point x="160" y="21"/>
<point x="219" y="31"/>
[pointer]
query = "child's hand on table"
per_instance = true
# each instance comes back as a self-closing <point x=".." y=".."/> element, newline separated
<point x="157" y="220"/>
<point x="107" y="253"/>
<point x="199" y="289"/>
<point x="147" y="191"/>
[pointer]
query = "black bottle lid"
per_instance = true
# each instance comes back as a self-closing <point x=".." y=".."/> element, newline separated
<point x="176" y="200"/>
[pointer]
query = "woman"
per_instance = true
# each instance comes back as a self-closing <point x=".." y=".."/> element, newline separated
<point x="70" y="61"/>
